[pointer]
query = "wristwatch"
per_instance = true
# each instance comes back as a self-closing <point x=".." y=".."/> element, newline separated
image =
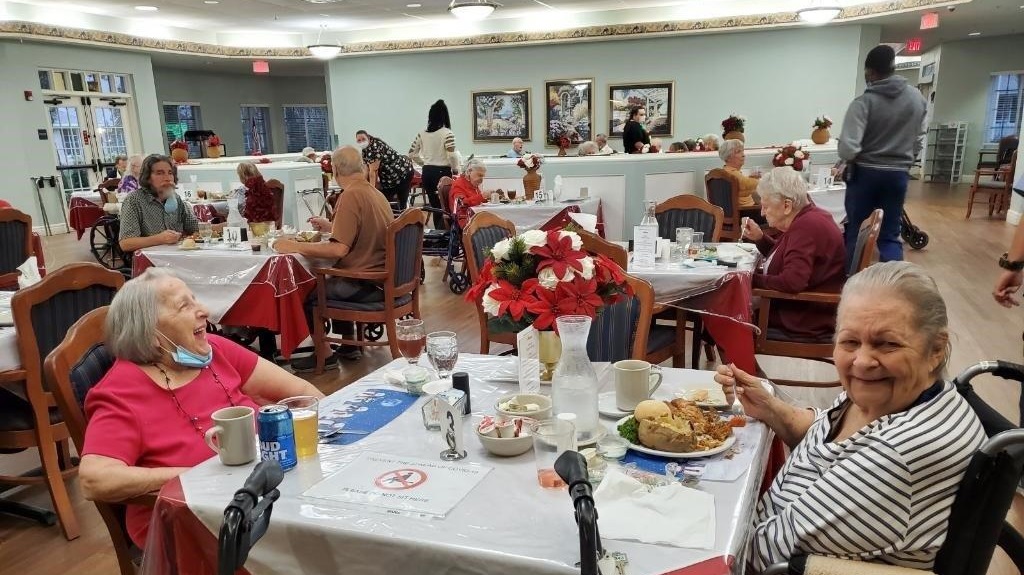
<point x="1006" y="264"/>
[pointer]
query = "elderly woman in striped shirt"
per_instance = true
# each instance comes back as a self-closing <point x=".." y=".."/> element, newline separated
<point x="874" y="477"/>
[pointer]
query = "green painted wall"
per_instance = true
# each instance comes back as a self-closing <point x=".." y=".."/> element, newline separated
<point x="780" y="80"/>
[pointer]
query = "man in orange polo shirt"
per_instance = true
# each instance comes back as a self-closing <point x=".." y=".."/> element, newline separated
<point x="358" y="232"/>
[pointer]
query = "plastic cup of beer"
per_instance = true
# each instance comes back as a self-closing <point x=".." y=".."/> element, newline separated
<point x="305" y="417"/>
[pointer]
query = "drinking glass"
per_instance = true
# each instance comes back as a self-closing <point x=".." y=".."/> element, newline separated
<point x="696" y="244"/>
<point x="412" y="338"/>
<point x="305" y="419"/>
<point x="683" y="236"/>
<point x="206" y="232"/>
<point x="551" y="438"/>
<point x="511" y="195"/>
<point x="443" y="352"/>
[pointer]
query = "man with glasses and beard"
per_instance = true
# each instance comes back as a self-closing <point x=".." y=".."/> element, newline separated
<point x="154" y="215"/>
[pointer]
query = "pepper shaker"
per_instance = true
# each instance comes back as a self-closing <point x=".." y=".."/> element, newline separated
<point x="460" y="381"/>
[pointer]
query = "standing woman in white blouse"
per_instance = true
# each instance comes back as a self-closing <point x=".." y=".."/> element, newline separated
<point x="874" y="477"/>
<point x="434" y="149"/>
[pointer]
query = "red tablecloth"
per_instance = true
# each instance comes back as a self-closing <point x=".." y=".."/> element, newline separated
<point x="274" y="299"/>
<point x="726" y="314"/>
<point x="83" y="214"/>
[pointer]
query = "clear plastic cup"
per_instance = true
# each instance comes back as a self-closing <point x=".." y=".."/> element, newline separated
<point x="551" y="438"/>
<point x="305" y="419"/>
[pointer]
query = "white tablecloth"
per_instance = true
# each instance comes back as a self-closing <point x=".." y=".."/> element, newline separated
<point x="676" y="281"/>
<point x="832" y="200"/>
<point x="530" y="216"/>
<point x="9" y="357"/>
<point x="506" y="525"/>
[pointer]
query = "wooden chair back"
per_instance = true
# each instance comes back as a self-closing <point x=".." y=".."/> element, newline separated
<point x="689" y="211"/>
<point x="444" y="189"/>
<point x="621" y="330"/>
<point x="277" y="188"/>
<point x="483" y="231"/>
<point x="595" y="244"/>
<point x="867" y="242"/>
<point x="723" y="190"/>
<point x="15" y="244"/>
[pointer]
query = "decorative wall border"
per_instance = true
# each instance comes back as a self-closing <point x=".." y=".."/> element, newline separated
<point x="47" y="32"/>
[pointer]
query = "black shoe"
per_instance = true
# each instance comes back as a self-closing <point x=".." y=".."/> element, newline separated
<point x="308" y="364"/>
<point x="349" y="352"/>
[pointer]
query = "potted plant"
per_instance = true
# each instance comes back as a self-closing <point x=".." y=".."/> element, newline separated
<point x="821" y="135"/>
<point x="732" y="127"/>
<point x="213" y="147"/>
<point x="179" y="152"/>
<point x="538" y="276"/>
<point x="792" y="156"/>
<point x="531" y="181"/>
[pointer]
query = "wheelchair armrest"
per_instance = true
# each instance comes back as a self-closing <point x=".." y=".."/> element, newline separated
<point x="807" y="296"/>
<point x="818" y="565"/>
<point x="352" y="274"/>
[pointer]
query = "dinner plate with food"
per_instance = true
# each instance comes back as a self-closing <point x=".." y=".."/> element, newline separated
<point x="677" y="429"/>
<point x="710" y="397"/>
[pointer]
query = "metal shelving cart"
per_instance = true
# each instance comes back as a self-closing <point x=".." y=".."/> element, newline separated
<point x="944" y="155"/>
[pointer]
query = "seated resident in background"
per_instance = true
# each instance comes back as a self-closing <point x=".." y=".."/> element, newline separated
<point x="259" y="199"/>
<point x="517" y="150"/>
<point x="358" y="233"/>
<point x="733" y="156"/>
<point x="465" y="192"/>
<point x="148" y="414"/>
<point x="874" y="477"/>
<point x="588" y="148"/>
<point x="677" y="148"/>
<point x="711" y="143"/>
<point x="154" y="215"/>
<point x="603" y="149"/>
<point x="130" y="180"/>
<point x="308" y="155"/>
<point x="119" y="169"/>
<point x="810" y="255"/>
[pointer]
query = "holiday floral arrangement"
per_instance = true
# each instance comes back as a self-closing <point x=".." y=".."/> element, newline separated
<point x="538" y="276"/>
<point x="325" y="164"/>
<point x="530" y="162"/>
<point x="792" y="156"/>
<point x="822" y="123"/>
<point x="564" y="142"/>
<point x="179" y="152"/>
<point x="213" y="141"/>
<point x="734" y="123"/>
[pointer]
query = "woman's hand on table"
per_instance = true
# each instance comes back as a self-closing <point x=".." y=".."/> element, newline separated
<point x="320" y="224"/>
<point x="756" y="400"/>
<point x="751" y="230"/>
<point x="286" y="246"/>
<point x="169" y="237"/>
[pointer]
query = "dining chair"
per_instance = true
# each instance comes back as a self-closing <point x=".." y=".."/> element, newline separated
<point x="723" y="190"/>
<point x="595" y="244"/>
<point x="15" y="244"/>
<point x="276" y="187"/>
<point x="43" y="313"/>
<point x="400" y="279"/>
<point x="625" y="330"/>
<point x="689" y="211"/>
<point x="1006" y="147"/>
<point x="773" y="341"/>
<point x="74" y="367"/>
<point x="484" y="230"/>
<point x="997" y="184"/>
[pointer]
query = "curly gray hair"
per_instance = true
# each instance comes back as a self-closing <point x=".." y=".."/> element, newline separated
<point x="783" y="183"/>
<point x="728" y="148"/>
<point x="131" y="321"/>
<point x="473" y="164"/>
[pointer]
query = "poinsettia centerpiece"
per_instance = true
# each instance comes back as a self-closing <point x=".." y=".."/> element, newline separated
<point x="734" y="123"/>
<point x="792" y="156"/>
<point x="213" y="141"/>
<point x="538" y="276"/>
<point x="822" y="123"/>
<point x="530" y="162"/>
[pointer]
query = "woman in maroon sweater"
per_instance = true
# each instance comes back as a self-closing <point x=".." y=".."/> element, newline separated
<point x="809" y="255"/>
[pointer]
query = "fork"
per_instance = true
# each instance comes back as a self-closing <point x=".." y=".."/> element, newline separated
<point x="737" y="407"/>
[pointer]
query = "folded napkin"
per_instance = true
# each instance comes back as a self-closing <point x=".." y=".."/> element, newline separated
<point x="586" y="221"/>
<point x="29" y="273"/>
<point x="666" y="515"/>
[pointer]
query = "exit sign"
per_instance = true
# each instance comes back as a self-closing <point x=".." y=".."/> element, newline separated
<point x="913" y="45"/>
<point x="929" y="20"/>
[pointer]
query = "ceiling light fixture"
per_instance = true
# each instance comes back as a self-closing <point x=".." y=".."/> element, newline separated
<point x="819" y="14"/>
<point x="472" y="10"/>
<point x="413" y="5"/>
<point x="975" y="34"/>
<point x="211" y="2"/>
<point x="323" y="51"/>
<point x="146" y="8"/>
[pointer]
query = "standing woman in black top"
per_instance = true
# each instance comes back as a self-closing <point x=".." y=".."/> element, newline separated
<point x="387" y="170"/>
<point x="434" y="148"/>
<point x="634" y="133"/>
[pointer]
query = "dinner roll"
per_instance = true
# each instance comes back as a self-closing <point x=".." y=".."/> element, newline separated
<point x="651" y="409"/>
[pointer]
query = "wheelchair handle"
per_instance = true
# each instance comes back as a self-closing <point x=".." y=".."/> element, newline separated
<point x="1000" y="368"/>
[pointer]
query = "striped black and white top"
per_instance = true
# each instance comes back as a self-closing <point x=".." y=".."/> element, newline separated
<point x="883" y="494"/>
<point x="434" y="148"/>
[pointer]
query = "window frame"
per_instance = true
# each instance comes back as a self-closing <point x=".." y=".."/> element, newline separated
<point x="994" y="132"/>
<point x="264" y="122"/>
<point x="193" y="148"/>
<point x="310" y="140"/>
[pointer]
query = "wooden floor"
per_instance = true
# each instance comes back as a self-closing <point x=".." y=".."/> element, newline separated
<point x="961" y="256"/>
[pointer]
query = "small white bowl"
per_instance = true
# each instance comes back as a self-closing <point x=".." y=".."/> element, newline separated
<point x="543" y="401"/>
<point x="506" y="447"/>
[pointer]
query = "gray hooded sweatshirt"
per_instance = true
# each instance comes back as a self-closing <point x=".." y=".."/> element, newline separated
<point x="883" y="126"/>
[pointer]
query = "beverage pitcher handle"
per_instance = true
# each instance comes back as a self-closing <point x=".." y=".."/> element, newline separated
<point x="655" y="377"/>
<point x="213" y="439"/>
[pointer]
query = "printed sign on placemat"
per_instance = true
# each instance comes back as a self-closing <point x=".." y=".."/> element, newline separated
<point x="367" y="411"/>
<point x="397" y="484"/>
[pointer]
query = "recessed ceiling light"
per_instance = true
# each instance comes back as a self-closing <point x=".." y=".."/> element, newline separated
<point x="472" y="10"/>
<point x="420" y="5"/>
<point x="975" y="34"/>
<point x="211" y="2"/>
<point x="146" y="8"/>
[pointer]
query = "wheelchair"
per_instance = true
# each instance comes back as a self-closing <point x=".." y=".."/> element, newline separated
<point x="103" y="243"/>
<point x="915" y="237"/>
<point x="447" y="244"/>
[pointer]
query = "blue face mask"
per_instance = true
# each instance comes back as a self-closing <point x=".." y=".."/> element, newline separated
<point x="186" y="358"/>
<point x="171" y="204"/>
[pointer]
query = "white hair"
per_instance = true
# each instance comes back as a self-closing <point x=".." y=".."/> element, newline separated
<point x="131" y="321"/>
<point x="589" y="148"/>
<point x="474" y="164"/>
<point x="728" y="148"/>
<point x="712" y="141"/>
<point x="135" y="160"/>
<point x="783" y="183"/>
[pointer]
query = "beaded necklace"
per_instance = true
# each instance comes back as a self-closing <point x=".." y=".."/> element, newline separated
<point x="194" y="420"/>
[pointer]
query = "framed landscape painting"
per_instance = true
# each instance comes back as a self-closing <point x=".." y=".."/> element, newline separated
<point x="656" y="97"/>
<point x="570" y="110"/>
<point x="501" y="115"/>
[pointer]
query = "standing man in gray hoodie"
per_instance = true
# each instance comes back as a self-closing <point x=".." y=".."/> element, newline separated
<point x="879" y="142"/>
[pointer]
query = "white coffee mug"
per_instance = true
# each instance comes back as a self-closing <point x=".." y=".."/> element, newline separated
<point x="233" y="435"/>
<point x="635" y="381"/>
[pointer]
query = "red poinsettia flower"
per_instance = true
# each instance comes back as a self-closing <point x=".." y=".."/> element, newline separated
<point x="580" y="296"/>
<point x="512" y="300"/>
<point x="558" y="255"/>
<point x="476" y="292"/>
<point x="607" y="271"/>
<point x="546" y="306"/>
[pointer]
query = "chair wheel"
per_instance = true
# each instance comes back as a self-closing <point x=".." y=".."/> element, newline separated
<point x="458" y="283"/>
<point x="918" y="240"/>
<point x="373" y="331"/>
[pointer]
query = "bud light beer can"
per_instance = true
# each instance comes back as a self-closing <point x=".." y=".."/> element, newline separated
<point x="277" y="436"/>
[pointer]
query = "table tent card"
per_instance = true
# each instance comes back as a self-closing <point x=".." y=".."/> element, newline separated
<point x="528" y="344"/>
<point x="645" y="246"/>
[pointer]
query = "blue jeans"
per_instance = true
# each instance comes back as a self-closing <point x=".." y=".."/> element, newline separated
<point x="868" y="190"/>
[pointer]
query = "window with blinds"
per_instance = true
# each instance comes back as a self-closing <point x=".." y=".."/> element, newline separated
<point x="306" y="126"/>
<point x="256" y="124"/>
<point x="1004" y="106"/>
<point x="180" y="118"/>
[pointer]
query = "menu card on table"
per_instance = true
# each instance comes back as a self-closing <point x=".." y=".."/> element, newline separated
<point x="528" y="344"/>
<point x="400" y="485"/>
<point x="645" y="246"/>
